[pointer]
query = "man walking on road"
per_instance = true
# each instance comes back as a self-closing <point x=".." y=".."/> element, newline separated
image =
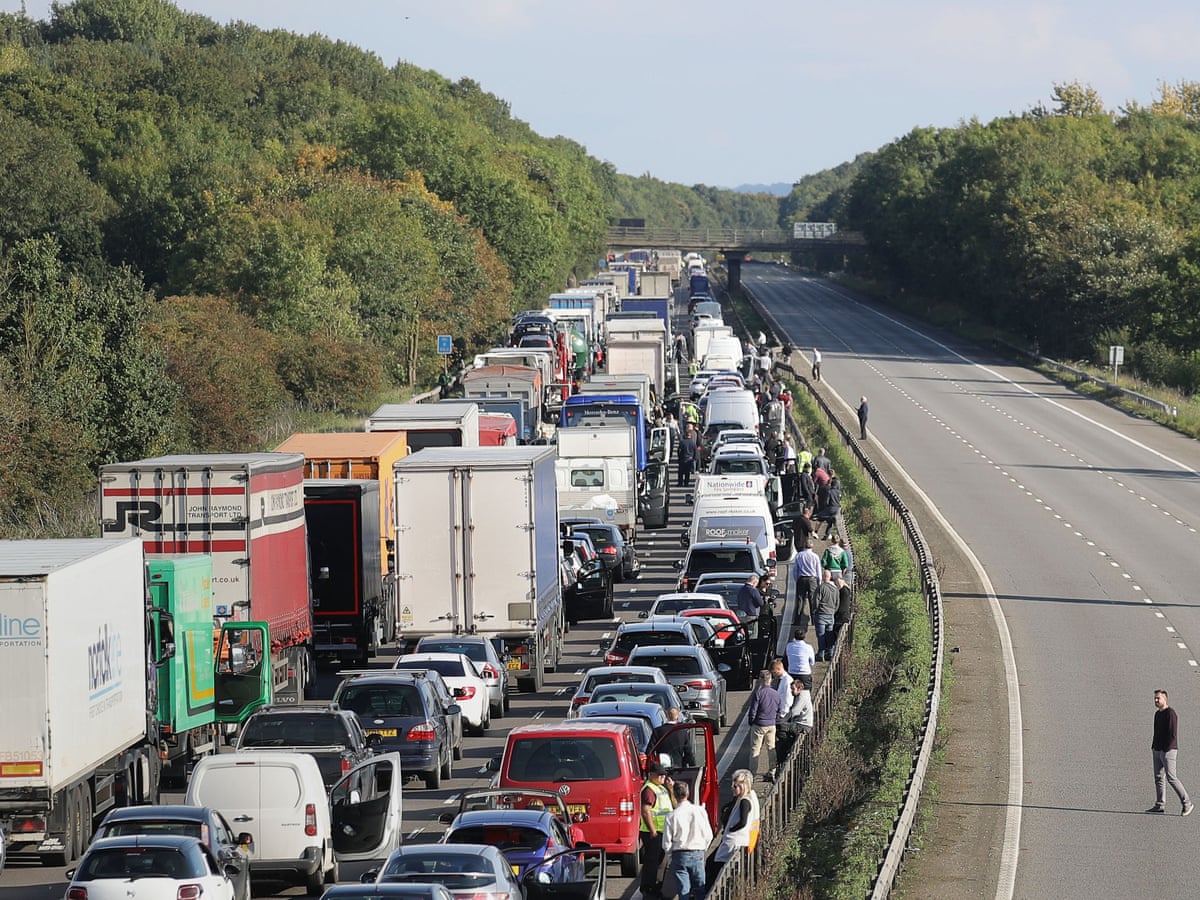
<point x="763" y="714"/>
<point x="1165" y="746"/>
<point x="687" y="457"/>
<point x="816" y="368"/>
<point x="806" y="573"/>
<point x="862" y="418"/>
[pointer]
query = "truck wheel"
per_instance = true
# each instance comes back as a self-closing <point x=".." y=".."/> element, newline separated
<point x="630" y="865"/>
<point x="70" y="829"/>
<point x="85" y="819"/>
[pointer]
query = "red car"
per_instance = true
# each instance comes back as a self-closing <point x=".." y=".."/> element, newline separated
<point x="596" y="768"/>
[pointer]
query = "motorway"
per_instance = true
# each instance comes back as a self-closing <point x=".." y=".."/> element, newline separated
<point x="1084" y="522"/>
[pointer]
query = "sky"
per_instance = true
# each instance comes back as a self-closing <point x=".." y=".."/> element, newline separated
<point x="757" y="91"/>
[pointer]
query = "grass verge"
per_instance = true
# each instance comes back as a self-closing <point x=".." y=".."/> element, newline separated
<point x="861" y="770"/>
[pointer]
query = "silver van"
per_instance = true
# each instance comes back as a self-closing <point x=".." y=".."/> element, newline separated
<point x="302" y="833"/>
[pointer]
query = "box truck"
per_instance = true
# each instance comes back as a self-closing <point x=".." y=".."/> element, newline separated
<point x="477" y="552"/>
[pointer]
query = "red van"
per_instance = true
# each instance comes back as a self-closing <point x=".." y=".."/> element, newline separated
<point x="595" y="768"/>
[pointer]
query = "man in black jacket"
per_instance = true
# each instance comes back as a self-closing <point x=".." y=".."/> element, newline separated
<point x="1165" y="746"/>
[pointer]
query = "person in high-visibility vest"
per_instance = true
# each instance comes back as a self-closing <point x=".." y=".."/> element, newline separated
<point x="656" y="802"/>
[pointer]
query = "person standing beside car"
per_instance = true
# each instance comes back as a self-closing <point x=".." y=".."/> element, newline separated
<point x="656" y="802"/>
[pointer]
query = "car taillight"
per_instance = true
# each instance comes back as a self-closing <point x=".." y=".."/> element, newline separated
<point x="625" y="807"/>
<point x="609" y="551"/>
<point x="702" y="684"/>
<point x="310" y="819"/>
<point x="189" y="892"/>
<point x="77" y="893"/>
<point x="345" y="765"/>
<point x="489" y="671"/>
<point x="464" y="693"/>
<point x="579" y="701"/>
<point x="423" y="732"/>
<point x="614" y="659"/>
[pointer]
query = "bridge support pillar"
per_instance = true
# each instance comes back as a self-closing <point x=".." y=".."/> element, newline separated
<point x="733" y="268"/>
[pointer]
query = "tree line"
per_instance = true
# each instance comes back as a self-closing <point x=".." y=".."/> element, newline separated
<point x="209" y="228"/>
<point x="1074" y="227"/>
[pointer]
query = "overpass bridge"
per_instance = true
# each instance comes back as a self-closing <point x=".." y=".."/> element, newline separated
<point x="733" y="242"/>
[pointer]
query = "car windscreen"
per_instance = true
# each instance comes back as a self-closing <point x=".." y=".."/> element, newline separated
<point x="189" y="828"/>
<point x="506" y="838"/>
<point x="137" y="862"/>
<point x="736" y="560"/>
<point x="454" y="870"/>
<point x="632" y="693"/>
<point x="472" y="650"/>
<point x="601" y="537"/>
<point x="631" y="639"/>
<point x="670" y="607"/>
<point x="676" y="665"/>
<point x="594" y="681"/>
<point x="381" y="700"/>
<point x="575" y="758"/>
<point x="450" y="668"/>
<point x="294" y="730"/>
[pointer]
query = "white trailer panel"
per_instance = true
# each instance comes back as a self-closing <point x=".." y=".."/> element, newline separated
<point x="73" y="664"/>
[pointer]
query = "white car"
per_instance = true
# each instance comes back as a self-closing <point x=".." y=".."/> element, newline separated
<point x="471" y="690"/>
<point x="486" y="658"/>
<point x="598" y="675"/>
<point x="670" y="604"/>
<point x="164" y="867"/>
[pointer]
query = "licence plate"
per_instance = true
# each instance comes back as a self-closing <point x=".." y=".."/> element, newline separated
<point x="514" y="664"/>
<point x="382" y="732"/>
<point x="516" y="869"/>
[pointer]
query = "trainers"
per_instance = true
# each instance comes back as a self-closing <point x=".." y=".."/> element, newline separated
<point x="1156" y="808"/>
<point x="1187" y="809"/>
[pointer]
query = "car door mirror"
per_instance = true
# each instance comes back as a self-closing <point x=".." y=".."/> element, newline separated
<point x="232" y="871"/>
<point x="453" y="710"/>
<point x="246" y="839"/>
<point x="493" y="764"/>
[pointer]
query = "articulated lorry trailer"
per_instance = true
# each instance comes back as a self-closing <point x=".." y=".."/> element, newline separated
<point x="246" y="511"/>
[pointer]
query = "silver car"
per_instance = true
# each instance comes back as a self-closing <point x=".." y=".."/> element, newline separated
<point x="481" y="651"/>
<point x="701" y="685"/>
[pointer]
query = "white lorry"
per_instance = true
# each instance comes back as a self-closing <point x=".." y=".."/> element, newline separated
<point x="77" y="690"/>
<point x="477" y="552"/>
<point x="429" y="424"/>
<point x="596" y="472"/>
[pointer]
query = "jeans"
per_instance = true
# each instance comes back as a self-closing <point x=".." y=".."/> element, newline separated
<point x="826" y="635"/>
<point x="688" y="866"/>
<point x="1164" y="774"/>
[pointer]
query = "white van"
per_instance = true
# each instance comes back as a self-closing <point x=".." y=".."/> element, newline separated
<point x="302" y="833"/>
<point x="733" y="508"/>
<point x="731" y="406"/>
<point x="724" y="353"/>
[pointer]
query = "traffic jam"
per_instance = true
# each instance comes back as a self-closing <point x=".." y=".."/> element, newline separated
<point x="525" y="600"/>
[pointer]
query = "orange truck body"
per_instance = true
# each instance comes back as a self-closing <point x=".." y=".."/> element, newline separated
<point x="357" y="454"/>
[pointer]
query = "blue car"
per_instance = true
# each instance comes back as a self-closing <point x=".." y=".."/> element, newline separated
<point x="532" y="841"/>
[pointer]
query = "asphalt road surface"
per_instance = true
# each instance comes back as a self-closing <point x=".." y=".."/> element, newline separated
<point x="1084" y="520"/>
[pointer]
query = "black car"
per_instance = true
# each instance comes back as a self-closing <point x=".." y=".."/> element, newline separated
<point x="403" y="709"/>
<point x="587" y="594"/>
<point x="720" y="556"/>
<point x="331" y="736"/>
<point x="203" y="822"/>
<point x="614" y="551"/>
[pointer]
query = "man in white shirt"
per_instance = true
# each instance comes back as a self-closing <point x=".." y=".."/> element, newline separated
<point x="800" y="657"/>
<point x="686" y="836"/>
<point x="783" y="684"/>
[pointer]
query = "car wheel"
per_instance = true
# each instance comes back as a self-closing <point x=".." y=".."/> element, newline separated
<point x="507" y="702"/>
<point x="498" y="710"/>
<point x="433" y="778"/>
<point x="458" y="751"/>
<point x="314" y="884"/>
<point x="334" y="873"/>
<point x="447" y="768"/>
<point x="630" y="865"/>
<point x="487" y="721"/>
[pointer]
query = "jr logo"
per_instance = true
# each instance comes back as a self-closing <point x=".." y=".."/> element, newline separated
<point x="143" y="514"/>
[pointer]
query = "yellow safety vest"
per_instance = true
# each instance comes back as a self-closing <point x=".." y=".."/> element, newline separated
<point x="662" y="806"/>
